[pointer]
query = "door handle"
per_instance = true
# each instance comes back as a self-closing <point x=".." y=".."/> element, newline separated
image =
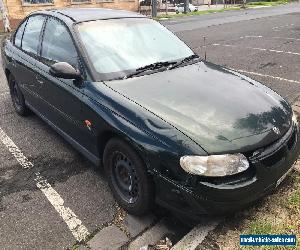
<point x="39" y="80"/>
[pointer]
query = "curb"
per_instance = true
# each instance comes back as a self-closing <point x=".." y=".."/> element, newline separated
<point x="103" y="240"/>
<point x="119" y="233"/>
<point x="149" y="237"/>
<point x="195" y="237"/>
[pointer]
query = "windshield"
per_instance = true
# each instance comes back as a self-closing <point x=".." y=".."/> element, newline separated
<point x="118" y="46"/>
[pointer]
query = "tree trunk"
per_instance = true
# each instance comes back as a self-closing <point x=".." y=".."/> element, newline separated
<point x="5" y="17"/>
<point x="166" y="3"/>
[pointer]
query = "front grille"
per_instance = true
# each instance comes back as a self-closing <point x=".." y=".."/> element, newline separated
<point x="276" y="158"/>
<point x="277" y="152"/>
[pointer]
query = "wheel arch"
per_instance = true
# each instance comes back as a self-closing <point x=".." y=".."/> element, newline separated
<point x="103" y="139"/>
<point x="106" y="136"/>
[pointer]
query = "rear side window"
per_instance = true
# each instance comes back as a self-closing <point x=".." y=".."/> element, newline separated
<point x="30" y="42"/>
<point x="57" y="43"/>
<point x="19" y="34"/>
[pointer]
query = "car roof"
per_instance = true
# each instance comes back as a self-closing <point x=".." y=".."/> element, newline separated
<point x="90" y="14"/>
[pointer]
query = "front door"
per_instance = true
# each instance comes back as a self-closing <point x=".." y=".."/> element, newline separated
<point x="61" y="96"/>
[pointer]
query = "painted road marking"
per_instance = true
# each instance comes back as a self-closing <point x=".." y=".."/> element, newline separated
<point x="242" y="37"/>
<point x="273" y="37"/>
<point x="277" y="28"/>
<point x="14" y="150"/>
<point x="260" y="49"/>
<point x="79" y="231"/>
<point x="283" y="26"/>
<point x="263" y="75"/>
<point x="4" y="93"/>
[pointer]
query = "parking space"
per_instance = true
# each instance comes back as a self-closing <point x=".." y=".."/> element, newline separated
<point x="265" y="49"/>
<point x="73" y="195"/>
<point x="34" y="219"/>
<point x="29" y="218"/>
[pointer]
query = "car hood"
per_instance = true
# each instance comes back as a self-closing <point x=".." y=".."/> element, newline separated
<point x="220" y="110"/>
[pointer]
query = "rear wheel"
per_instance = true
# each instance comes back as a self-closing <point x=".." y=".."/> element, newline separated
<point x="127" y="176"/>
<point x="17" y="97"/>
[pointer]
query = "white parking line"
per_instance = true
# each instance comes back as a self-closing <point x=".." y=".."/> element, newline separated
<point x="261" y="49"/>
<point x="242" y="37"/>
<point x="277" y="28"/>
<point x="4" y="93"/>
<point x="75" y="225"/>
<point x="273" y="37"/>
<point x="286" y="38"/>
<point x="269" y="76"/>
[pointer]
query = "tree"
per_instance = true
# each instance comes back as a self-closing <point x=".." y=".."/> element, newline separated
<point x="244" y="4"/>
<point x="154" y="8"/>
<point x="5" y="17"/>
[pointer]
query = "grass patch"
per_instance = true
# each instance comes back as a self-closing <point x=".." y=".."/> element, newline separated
<point x="271" y="227"/>
<point x="258" y="227"/>
<point x="204" y="12"/>
<point x="196" y="13"/>
<point x="294" y="201"/>
<point x="272" y="3"/>
<point x="278" y="213"/>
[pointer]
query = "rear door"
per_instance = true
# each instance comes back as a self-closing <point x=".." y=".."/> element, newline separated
<point x="27" y="42"/>
<point x="16" y="58"/>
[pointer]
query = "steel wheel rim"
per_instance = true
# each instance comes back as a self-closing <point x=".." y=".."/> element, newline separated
<point x="124" y="178"/>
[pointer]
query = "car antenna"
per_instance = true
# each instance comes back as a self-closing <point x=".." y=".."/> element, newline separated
<point x="204" y="42"/>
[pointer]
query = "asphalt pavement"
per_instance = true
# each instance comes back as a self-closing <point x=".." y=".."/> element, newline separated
<point x="261" y="43"/>
<point x="263" y="48"/>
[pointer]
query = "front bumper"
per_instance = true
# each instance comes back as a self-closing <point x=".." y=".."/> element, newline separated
<point x="208" y="197"/>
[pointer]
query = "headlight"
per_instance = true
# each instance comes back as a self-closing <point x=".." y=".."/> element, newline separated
<point x="215" y="165"/>
<point x="295" y="118"/>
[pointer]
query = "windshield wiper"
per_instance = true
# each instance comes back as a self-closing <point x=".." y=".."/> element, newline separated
<point x="185" y="60"/>
<point x="152" y="66"/>
<point x="158" y="65"/>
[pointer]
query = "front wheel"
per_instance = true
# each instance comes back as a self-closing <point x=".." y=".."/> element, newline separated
<point x="127" y="176"/>
<point x="17" y="97"/>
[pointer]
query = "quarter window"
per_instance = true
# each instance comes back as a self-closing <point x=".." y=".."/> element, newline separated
<point x="57" y="43"/>
<point x="30" y="42"/>
<point x="19" y="34"/>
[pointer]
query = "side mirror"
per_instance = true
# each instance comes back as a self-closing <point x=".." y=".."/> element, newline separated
<point x="64" y="70"/>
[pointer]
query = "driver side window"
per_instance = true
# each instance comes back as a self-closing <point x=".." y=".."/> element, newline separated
<point x="57" y="44"/>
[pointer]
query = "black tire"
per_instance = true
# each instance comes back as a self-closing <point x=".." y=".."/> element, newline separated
<point x="17" y="97"/>
<point x="127" y="176"/>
